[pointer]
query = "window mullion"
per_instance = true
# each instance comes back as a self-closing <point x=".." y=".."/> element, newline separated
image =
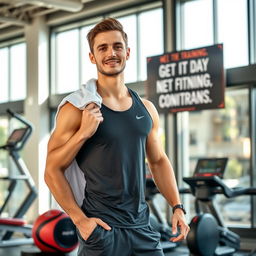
<point x="251" y="7"/>
<point x="9" y="74"/>
<point x="253" y="149"/>
<point x="79" y="57"/>
<point x="215" y="21"/>
<point x="138" y="47"/>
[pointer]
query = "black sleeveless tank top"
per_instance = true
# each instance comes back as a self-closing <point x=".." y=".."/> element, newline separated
<point x="113" y="162"/>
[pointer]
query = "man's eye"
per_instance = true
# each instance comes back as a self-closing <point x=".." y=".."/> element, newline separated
<point x="102" y="48"/>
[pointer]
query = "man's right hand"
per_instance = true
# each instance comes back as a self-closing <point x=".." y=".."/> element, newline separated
<point x="91" y="118"/>
<point x="87" y="226"/>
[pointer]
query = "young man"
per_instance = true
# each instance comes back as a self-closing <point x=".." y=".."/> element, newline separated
<point x="110" y="145"/>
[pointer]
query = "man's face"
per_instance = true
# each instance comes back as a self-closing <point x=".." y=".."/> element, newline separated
<point x="109" y="53"/>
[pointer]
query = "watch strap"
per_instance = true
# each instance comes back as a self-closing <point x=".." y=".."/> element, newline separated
<point x="178" y="206"/>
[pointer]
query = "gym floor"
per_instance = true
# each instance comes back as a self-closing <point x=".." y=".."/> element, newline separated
<point x="181" y="251"/>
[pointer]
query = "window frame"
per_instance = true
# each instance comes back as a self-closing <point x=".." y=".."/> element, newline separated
<point x="18" y="105"/>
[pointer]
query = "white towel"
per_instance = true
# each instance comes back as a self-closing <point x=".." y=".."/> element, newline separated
<point x="80" y="99"/>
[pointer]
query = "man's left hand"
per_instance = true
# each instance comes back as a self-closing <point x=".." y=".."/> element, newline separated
<point x="179" y="220"/>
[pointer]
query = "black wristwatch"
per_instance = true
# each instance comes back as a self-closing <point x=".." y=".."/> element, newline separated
<point x="179" y="206"/>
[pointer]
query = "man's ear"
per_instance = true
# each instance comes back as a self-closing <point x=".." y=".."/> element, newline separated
<point x="92" y="59"/>
<point x="128" y="53"/>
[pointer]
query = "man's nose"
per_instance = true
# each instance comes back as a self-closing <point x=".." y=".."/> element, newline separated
<point x="111" y="51"/>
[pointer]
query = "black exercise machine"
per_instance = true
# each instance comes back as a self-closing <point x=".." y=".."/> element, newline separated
<point x="157" y="220"/>
<point x="208" y="235"/>
<point x="15" y="143"/>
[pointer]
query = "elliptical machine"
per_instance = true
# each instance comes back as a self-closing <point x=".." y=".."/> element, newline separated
<point x="15" y="143"/>
<point x="208" y="235"/>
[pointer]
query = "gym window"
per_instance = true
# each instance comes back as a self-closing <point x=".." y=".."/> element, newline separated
<point x="205" y="22"/>
<point x="8" y="168"/>
<point x="13" y="83"/>
<point x="71" y="66"/>
<point x="225" y="132"/>
<point x="12" y="72"/>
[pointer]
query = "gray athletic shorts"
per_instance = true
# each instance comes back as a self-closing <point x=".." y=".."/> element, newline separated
<point x="121" y="242"/>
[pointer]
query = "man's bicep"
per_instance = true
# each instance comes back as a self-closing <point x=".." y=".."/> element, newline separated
<point x="67" y="124"/>
<point x="154" y="149"/>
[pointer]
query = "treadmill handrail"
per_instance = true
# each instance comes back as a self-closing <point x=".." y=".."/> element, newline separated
<point x="17" y="177"/>
<point x="216" y="181"/>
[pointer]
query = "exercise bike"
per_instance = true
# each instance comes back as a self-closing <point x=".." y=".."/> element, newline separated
<point x="14" y="144"/>
<point x="208" y="235"/>
<point x="157" y="220"/>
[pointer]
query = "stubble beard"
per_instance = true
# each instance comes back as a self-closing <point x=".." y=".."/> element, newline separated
<point x="112" y="74"/>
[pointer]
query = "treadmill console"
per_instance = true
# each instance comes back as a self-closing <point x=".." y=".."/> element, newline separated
<point x="16" y="136"/>
<point x="207" y="167"/>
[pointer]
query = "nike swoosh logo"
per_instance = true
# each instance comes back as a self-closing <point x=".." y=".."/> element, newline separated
<point x="139" y="117"/>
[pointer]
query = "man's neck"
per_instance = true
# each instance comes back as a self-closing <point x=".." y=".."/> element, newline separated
<point x="111" y="86"/>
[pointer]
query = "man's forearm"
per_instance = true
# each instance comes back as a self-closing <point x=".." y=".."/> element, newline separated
<point x="165" y="180"/>
<point x="62" y="192"/>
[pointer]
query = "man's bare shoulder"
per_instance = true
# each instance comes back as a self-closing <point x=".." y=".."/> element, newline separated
<point x="147" y="103"/>
<point x="69" y="117"/>
<point x="151" y="108"/>
<point x="67" y="123"/>
<point x="68" y="109"/>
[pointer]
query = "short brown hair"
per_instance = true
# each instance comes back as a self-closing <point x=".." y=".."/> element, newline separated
<point x="105" y="25"/>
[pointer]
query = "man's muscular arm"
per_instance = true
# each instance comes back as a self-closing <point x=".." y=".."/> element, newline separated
<point x="73" y="128"/>
<point x="163" y="173"/>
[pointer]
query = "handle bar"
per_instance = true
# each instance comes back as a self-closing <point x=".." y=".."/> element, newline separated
<point x="20" y="118"/>
<point x="241" y="191"/>
<point x="216" y="186"/>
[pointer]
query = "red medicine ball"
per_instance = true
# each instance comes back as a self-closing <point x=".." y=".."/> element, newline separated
<point x="54" y="231"/>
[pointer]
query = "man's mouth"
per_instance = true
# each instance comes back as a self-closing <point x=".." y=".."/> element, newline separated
<point x="112" y="61"/>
